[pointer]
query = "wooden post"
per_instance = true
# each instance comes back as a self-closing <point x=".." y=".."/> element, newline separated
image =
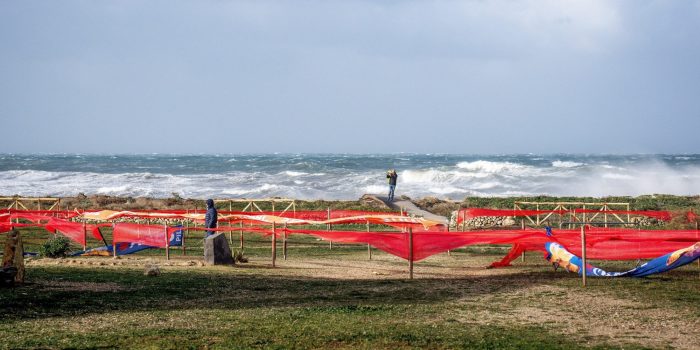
<point x="605" y="216"/>
<point x="537" y="207"/>
<point x="571" y="216"/>
<point x="284" y="242"/>
<point x="522" y="226"/>
<point x="241" y="234"/>
<point x="410" y="253"/>
<point x="330" y="243"/>
<point x="369" y="248"/>
<point x="230" y="233"/>
<point x="84" y="236"/>
<point x="449" y="252"/>
<point x="584" y="214"/>
<point x="167" y="242"/>
<point x="583" y="254"/>
<point x="628" y="213"/>
<point x="114" y="243"/>
<point x="561" y="216"/>
<point x="184" y="234"/>
<point x="274" y="244"/>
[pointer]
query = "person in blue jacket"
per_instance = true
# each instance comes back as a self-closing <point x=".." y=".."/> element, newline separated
<point x="210" y="218"/>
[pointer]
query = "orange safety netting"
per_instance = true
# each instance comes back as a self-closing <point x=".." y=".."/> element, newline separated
<point x="75" y="231"/>
<point x="151" y="235"/>
<point x="601" y="243"/>
<point x="606" y="244"/>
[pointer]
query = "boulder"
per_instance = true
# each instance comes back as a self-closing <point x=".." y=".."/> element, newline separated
<point x="217" y="251"/>
<point x="13" y="257"/>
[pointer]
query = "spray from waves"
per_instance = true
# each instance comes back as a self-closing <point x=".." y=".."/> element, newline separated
<point x="348" y="177"/>
<point x="483" y="166"/>
<point x="565" y="164"/>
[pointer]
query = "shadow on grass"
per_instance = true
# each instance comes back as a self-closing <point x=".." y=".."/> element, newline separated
<point x="61" y="291"/>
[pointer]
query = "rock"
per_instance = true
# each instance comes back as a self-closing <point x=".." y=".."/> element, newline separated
<point x="373" y="201"/>
<point x="508" y="221"/>
<point x="151" y="270"/>
<point x="13" y="257"/>
<point x="217" y="251"/>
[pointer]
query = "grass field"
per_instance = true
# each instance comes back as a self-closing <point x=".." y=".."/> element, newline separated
<point x="323" y="298"/>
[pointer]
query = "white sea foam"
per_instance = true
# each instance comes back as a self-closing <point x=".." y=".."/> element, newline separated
<point x="617" y="176"/>
<point x="490" y="167"/>
<point x="565" y="164"/>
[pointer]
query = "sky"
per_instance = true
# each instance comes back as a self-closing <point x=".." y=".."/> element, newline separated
<point x="467" y="77"/>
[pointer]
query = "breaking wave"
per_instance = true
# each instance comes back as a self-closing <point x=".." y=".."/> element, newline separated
<point x="347" y="176"/>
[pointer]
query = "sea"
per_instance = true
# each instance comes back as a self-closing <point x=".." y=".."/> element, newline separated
<point x="347" y="176"/>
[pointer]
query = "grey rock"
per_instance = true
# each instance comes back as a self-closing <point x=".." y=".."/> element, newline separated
<point x="217" y="251"/>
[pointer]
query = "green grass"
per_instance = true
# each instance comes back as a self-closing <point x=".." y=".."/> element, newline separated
<point x="254" y="306"/>
<point x="231" y="310"/>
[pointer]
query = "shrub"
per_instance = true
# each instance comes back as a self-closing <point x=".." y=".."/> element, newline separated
<point x="56" y="247"/>
<point x="239" y="257"/>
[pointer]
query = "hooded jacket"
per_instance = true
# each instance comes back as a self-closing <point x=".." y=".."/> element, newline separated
<point x="210" y="218"/>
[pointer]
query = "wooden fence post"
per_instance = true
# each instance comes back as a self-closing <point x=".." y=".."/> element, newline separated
<point x="230" y="232"/>
<point x="284" y="242"/>
<point x="114" y="242"/>
<point x="185" y="231"/>
<point x="241" y="234"/>
<point x="274" y="244"/>
<point x="369" y="248"/>
<point x="330" y="243"/>
<point x="583" y="254"/>
<point x="449" y="253"/>
<point x="84" y="236"/>
<point x="167" y="242"/>
<point x="522" y="226"/>
<point x="410" y="253"/>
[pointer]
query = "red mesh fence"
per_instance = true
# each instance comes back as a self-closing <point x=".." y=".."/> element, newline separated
<point x="601" y="243"/>
<point x="153" y="235"/>
<point x="75" y="231"/>
<point x="606" y="244"/>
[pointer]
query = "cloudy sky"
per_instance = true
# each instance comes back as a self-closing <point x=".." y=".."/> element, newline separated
<point x="350" y="76"/>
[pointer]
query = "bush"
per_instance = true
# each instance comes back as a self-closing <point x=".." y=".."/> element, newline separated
<point x="239" y="257"/>
<point x="56" y="247"/>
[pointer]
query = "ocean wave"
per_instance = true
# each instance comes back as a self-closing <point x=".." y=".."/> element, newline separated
<point x="490" y="167"/>
<point x="565" y="164"/>
<point x="324" y="178"/>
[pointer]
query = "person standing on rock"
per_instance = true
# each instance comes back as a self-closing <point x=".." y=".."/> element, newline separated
<point x="210" y="218"/>
<point x="391" y="176"/>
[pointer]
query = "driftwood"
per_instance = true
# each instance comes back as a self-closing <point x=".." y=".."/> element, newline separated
<point x="12" y="270"/>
